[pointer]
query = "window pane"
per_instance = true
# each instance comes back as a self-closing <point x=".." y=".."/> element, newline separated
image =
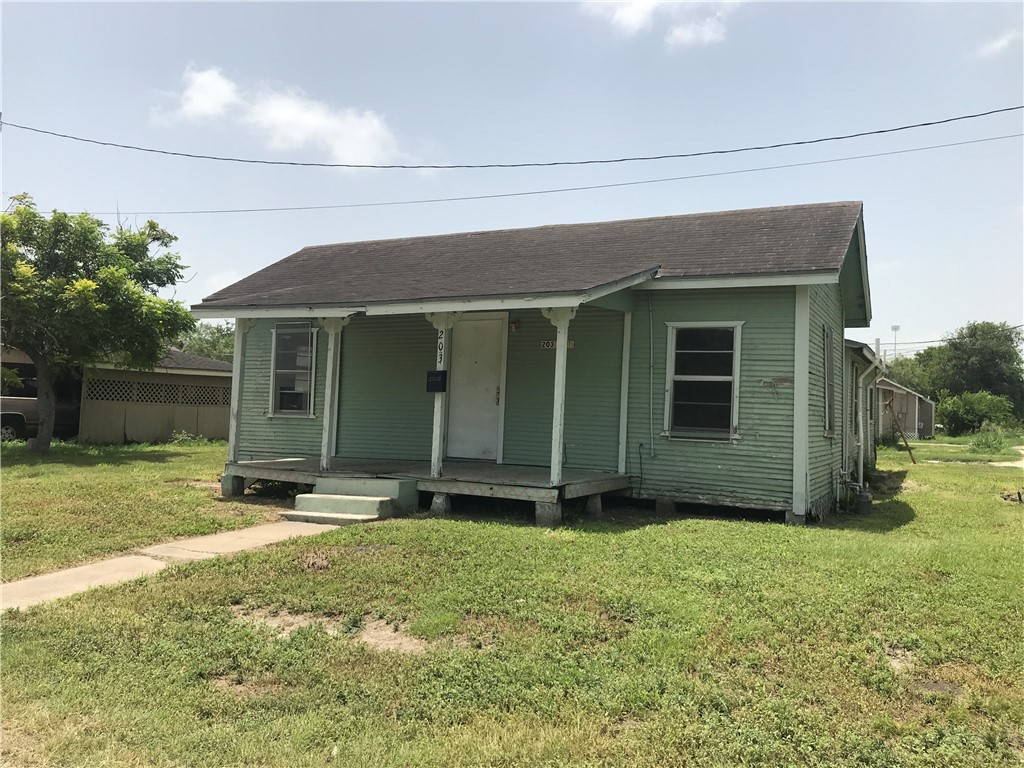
<point x="293" y="350"/>
<point x="703" y="364"/>
<point x="293" y="392"/>
<point x="704" y="339"/>
<point x="702" y="405"/>
<point x="716" y="392"/>
<point x="701" y="418"/>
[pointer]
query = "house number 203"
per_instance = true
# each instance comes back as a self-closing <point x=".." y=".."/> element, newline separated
<point x="551" y="344"/>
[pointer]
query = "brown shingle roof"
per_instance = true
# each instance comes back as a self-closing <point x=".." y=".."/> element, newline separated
<point x="564" y="258"/>
<point x="176" y="358"/>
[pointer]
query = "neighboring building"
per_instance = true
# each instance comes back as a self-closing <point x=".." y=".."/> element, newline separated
<point x="694" y="358"/>
<point x="915" y="412"/>
<point x="183" y="393"/>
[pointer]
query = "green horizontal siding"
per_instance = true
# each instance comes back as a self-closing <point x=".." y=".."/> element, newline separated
<point x="755" y="470"/>
<point x="825" y="452"/>
<point x="261" y="435"/>
<point x="593" y="374"/>
<point x="385" y="411"/>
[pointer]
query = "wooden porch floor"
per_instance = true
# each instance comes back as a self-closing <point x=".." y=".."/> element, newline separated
<point x="469" y="478"/>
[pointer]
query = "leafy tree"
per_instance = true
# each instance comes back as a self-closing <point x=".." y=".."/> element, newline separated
<point x="75" y="293"/>
<point x="909" y="372"/>
<point x="9" y="380"/>
<point x="966" y="413"/>
<point x="216" y="340"/>
<point x="985" y="357"/>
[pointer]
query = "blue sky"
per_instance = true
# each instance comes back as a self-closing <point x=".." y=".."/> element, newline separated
<point x="448" y="83"/>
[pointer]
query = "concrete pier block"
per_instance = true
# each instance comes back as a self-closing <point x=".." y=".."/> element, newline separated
<point x="594" y="504"/>
<point x="441" y="504"/>
<point x="549" y="514"/>
<point x="231" y="486"/>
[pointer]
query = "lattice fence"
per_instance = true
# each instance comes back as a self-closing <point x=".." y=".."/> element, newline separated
<point x="157" y="392"/>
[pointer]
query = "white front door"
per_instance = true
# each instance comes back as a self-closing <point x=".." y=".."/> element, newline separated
<point x="476" y="380"/>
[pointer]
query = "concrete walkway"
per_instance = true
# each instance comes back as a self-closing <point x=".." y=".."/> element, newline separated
<point x="50" y="586"/>
<point x="1020" y="463"/>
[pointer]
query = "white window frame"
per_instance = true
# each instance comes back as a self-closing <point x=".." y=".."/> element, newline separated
<point x="829" y="379"/>
<point x="737" y="328"/>
<point x="310" y="413"/>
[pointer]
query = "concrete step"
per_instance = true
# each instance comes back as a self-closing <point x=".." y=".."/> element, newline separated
<point x="328" y="518"/>
<point x="403" y="491"/>
<point x="333" y="503"/>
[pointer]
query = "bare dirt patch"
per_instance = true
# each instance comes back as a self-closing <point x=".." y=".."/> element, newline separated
<point x="381" y="636"/>
<point x="246" y="688"/>
<point x="211" y="485"/>
<point x="1017" y="497"/>
<point x="284" y="622"/>
<point x="315" y="559"/>
<point x="928" y="685"/>
<point x="900" y="659"/>
<point x="912" y="486"/>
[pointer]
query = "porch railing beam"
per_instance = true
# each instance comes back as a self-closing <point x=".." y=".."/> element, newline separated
<point x="559" y="317"/>
<point x="333" y="326"/>
<point x="443" y="322"/>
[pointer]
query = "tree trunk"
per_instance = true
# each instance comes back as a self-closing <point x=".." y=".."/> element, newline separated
<point x="46" y="402"/>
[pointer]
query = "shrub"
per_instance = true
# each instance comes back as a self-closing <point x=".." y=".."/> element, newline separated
<point x="989" y="439"/>
<point x="963" y="414"/>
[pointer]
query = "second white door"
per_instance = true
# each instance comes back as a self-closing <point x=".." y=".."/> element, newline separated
<point x="475" y="383"/>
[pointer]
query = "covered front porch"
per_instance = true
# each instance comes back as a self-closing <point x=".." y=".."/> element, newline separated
<point x="468" y="478"/>
<point x="502" y="399"/>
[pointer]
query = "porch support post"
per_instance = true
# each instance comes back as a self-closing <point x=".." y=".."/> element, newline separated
<point x="333" y="326"/>
<point x="443" y="322"/>
<point x="242" y="326"/>
<point x="559" y="317"/>
<point x="627" y="331"/>
<point x="801" y="404"/>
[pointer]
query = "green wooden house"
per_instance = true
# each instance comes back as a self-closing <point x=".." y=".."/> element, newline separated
<point x="694" y="358"/>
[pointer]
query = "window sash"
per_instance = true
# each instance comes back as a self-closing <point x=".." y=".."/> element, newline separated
<point x="829" y="380"/>
<point x="305" y="350"/>
<point x="678" y="401"/>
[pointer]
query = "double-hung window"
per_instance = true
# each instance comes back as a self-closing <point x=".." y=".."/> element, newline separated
<point x="702" y="387"/>
<point x="294" y="348"/>
<point x="830" y="381"/>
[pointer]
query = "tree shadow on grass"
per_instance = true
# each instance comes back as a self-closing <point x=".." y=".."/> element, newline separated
<point x="619" y="514"/>
<point x="16" y="454"/>
<point x="887" y="512"/>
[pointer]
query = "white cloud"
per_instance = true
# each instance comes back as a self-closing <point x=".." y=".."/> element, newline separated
<point x="206" y="94"/>
<point x="703" y="32"/>
<point x="997" y="45"/>
<point x="629" y="16"/>
<point x="698" y="23"/>
<point x="291" y="120"/>
<point x="287" y="119"/>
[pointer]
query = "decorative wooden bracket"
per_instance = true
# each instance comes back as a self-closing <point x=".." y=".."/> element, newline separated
<point x="559" y="315"/>
<point x="333" y="324"/>
<point x="443" y="321"/>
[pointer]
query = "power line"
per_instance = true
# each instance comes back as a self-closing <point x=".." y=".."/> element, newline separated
<point x="382" y="203"/>
<point x="936" y="341"/>
<point x="605" y="161"/>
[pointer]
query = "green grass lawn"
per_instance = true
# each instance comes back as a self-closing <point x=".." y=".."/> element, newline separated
<point x="80" y="503"/>
<point x="886" y="639"/>
<point x="961" y="452"/>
